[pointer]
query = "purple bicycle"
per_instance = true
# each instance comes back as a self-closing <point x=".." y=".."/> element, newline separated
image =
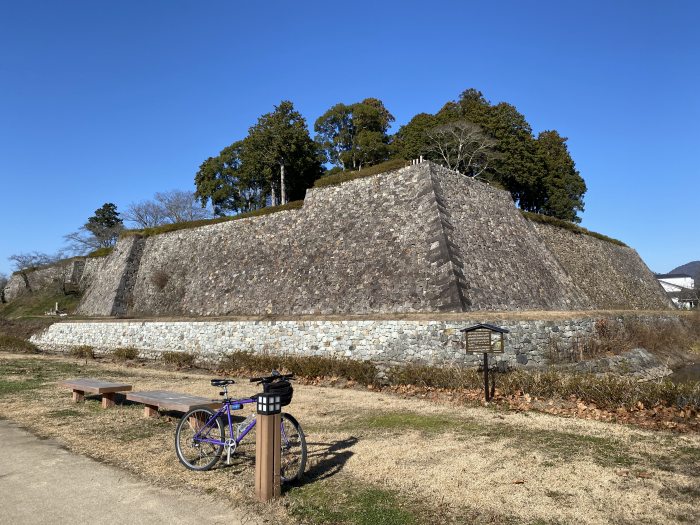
<point x="202" y="437"/>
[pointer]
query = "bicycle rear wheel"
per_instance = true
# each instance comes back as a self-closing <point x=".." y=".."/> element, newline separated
<point x="293" y="457"/>
<point x="199" y="439"/>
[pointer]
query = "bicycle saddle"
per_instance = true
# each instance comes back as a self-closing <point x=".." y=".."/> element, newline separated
<point x="222" y="382"/>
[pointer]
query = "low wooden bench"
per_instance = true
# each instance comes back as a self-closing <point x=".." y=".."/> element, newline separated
<point x="95" y="386"/>
<point x="176" y="401"/>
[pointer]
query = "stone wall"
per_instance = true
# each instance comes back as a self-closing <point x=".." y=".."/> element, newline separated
<point x="108" y="293"/>
<point x="388" y="342"/>
<point x="77" y="272"/>
<point x="612" y="276"/>
<point x="50" y="278"/>
<point x="506" y="266"/>
<point x="419" y="239"/>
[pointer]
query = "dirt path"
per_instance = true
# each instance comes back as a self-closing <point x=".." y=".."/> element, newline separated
<point x="431" y="461"/>
<point x="41" y="482"/>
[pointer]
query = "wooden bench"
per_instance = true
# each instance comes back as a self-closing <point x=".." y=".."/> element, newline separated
<point x="95" y="386"/>
<point x="178" y="402"/>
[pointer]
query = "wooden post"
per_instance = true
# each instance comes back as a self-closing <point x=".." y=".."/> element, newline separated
<point x="268" y="446"/>
<point x="150" y="411"/>
<point x="108" y="400"/>
<point x="78" y="395"/>
<point x="486" y="376"/>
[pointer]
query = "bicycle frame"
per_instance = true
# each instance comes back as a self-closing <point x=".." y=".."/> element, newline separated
<point x="236" y="436"/>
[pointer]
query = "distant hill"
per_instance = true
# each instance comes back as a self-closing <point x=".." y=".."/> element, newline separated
<point x="691" y="268"/>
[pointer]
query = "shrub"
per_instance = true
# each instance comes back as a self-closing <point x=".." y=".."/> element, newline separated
<point x="83" y="352"/>
<point x="10" y="343"/>
<point x="249" y="363"/>
<point x="124" y="354"/>
<point x="553" y="221"/>
<point x="608" y="392"/>
<point x="179" y="359"/>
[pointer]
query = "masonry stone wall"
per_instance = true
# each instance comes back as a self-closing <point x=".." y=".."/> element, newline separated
<point x="419" y="239"/>
<point x="504" y="263"/>
<point x="76" y="272"/>
<point x="108" y="292"/>
<point x="612" y="276"/>
<point x="372" y="245"/>
<point x="91" y="268"/>
<point x="386" y="342"/>
<point x="48" y="278"/>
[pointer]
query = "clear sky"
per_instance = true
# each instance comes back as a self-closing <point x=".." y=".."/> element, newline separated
<point x="114" y="101"/>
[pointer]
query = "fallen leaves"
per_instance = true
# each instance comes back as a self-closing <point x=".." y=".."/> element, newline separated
<point x="656" y="417"/>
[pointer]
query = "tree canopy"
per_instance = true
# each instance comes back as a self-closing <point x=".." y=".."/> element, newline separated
<point x="100" y="231"/>
<point x="538" y="172"/>
<point x="276" y="162"/>
<point x="355" y="135"/>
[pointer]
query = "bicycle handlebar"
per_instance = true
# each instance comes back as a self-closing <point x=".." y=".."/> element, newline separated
<point x="270" y="379"/>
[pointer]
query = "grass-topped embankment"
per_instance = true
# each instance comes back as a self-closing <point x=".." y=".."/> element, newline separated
<point x="100" y="252"/>
<point x="167" y="228"/>
<point x="575" y="228"/>
<point x="345" y="176"/>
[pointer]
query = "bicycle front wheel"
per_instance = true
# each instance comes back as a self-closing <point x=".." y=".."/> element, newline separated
<point x="199" y="439"/>
<point x="293" y="457"/>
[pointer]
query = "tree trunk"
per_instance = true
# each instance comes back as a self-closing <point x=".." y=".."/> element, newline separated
<point x="273" y="195"/>
<point x="283" y="191"/>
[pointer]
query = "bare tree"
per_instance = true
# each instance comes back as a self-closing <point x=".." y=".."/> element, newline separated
<point x="145" y="214"/>
<point x="167" y="207"/>
<point x="461" y="146"/>
<point x="25" y="261"/>
<point x="3" y="283"/>
<point x="181" y="206"/>
<point x="85" y="240"/>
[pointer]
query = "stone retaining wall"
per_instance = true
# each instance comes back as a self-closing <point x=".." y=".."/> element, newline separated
<point x="418" y="239"/>
<point x="387" y="342"/>
<point x="78" y="272"/>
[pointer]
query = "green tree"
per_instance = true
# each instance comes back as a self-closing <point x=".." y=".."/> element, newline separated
<point x="100" y="231"/>
<point x="105" y="225"/>
<point x="277" y="161"/>
<point x="516" y="160"/>
<point x="355" y="135"/>
<point x="562" y="187"/>
<point x="279" y="149"/>
<point x="223" y="181"/>
<point x="410" y="141"/>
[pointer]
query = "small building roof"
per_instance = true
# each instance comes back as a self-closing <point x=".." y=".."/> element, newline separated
<point x="487" y="326"/>
<point x="672" y="276"/>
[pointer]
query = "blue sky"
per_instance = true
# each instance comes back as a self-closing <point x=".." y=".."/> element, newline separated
<point x="114" y="101"/>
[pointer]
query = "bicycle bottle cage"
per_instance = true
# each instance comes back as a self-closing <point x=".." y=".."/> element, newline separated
<point x="283" y="388"/>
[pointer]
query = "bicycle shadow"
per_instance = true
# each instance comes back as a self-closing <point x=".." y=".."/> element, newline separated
<point x="326" y="459"/>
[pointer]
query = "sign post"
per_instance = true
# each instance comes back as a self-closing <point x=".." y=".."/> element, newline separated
<point x="486" y="339"/>
<point x="268" y="447"/>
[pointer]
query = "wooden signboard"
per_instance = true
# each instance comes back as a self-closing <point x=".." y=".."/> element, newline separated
<point x="485" y="339"/>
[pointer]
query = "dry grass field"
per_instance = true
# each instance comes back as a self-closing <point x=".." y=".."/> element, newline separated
<point x="378" y="458"/>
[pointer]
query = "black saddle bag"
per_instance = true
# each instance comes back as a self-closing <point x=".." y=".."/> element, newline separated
<point x="282" y="388"/>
